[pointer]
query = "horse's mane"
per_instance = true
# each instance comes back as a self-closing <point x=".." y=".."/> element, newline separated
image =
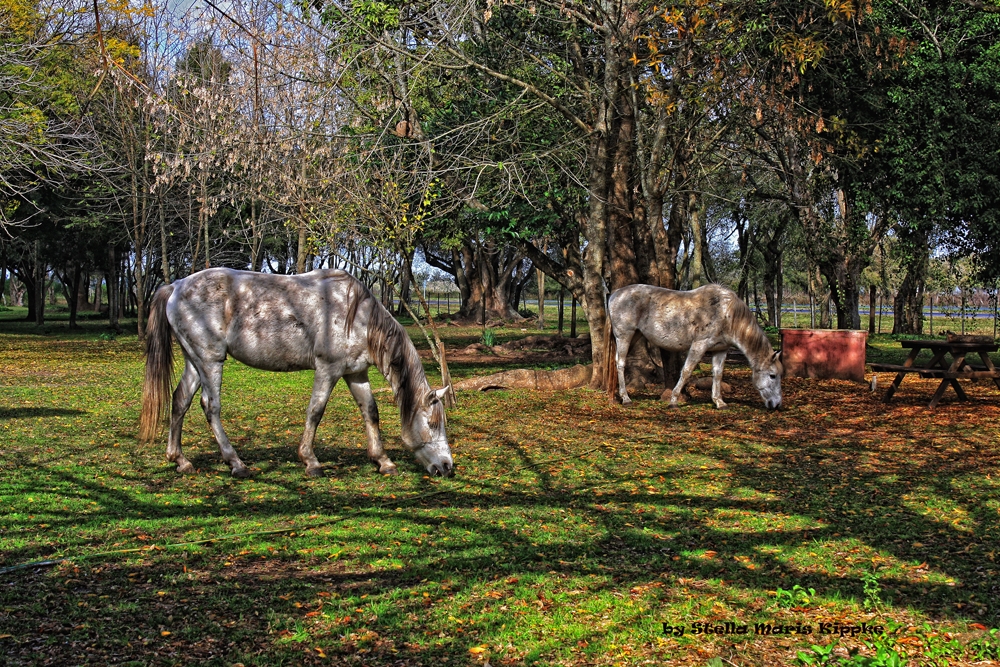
<point x="391" y="350"/>
<point x="745" y="329"/>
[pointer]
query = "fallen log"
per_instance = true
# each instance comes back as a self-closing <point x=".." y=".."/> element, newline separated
<point x="526" y="378"/>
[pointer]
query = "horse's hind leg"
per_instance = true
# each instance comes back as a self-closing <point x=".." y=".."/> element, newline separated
<point x="181" y="402"/>
<point x="718" y="361"/>
<point x="211" y="385"/>
<point x="622" y="343"/>
<point x="362" y="393"/>
<point x="323" y="382"/>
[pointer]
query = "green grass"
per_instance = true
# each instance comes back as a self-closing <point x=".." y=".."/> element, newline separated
<point x="572" y="532"/>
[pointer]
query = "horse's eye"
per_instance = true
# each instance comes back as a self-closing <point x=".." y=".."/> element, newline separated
<point x="773" y="376"/>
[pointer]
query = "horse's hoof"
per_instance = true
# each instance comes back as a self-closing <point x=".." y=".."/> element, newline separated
<point x="241" y="473"/>
<point x="185" y="468"/>
<point x="314" y="472"/>
<point x="388" y="469"/>
<point x="626" y="402"/>
<point x="721" y="406"/>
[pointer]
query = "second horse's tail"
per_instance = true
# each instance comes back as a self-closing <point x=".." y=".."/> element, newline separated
<point x="610" y="362"/>
<point x="159" y="366"/>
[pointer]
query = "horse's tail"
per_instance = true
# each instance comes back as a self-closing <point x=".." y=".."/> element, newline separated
<point x="159" y="366"/>
<point x="610" y="362"/>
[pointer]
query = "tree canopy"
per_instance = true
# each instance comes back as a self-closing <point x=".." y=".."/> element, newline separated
<point x="602" y="143"/>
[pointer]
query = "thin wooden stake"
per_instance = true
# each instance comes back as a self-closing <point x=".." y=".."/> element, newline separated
<point x="450" y="399"/>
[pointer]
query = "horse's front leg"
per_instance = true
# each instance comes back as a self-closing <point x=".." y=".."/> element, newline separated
<point x="362" y="393"/>
<point x="694" y="356"/>
<point x="718" y="362"/>
<point x="179" y="407"/>
<point x="211" y="386"/>
<point x="323" y="383"/>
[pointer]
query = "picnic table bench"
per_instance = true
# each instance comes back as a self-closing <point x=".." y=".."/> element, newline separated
<point x="939" y="368"/>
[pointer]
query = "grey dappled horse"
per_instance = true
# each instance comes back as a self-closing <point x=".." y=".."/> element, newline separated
<point x="710" y="319"/>
<point x="324" y="320"/>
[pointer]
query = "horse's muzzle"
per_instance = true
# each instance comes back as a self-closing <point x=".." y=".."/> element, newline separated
<point x="772" y="405"/>
<point x="444" y="469"/>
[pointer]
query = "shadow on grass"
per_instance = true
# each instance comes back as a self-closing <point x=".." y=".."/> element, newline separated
<point x="33" y="413"/>
<point x="691" y="497"/>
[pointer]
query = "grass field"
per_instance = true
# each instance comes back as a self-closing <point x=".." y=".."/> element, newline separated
<point x="574" y="532"/>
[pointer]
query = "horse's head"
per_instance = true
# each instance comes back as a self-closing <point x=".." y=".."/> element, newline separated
<point x="425" y="435"/>
<point x="767" y="379"/>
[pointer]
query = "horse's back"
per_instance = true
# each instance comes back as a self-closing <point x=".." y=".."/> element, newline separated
<point x="269" y="321"/>
<point x="673" y="319"/>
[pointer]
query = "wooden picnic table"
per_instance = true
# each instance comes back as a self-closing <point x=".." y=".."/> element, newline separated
<point x="939" y="367"/>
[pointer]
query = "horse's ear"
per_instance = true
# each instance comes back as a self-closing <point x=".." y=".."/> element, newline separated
<point x="776" y="361"/>
<point x="437" y="394"/>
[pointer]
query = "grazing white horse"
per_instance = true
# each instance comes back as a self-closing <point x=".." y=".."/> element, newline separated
<point x="710" y="319"/>
<point x="324" y="320"/>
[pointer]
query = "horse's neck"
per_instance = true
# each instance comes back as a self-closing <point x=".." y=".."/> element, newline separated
<point x="409" y="378"/>
<point x="756" y="348"/>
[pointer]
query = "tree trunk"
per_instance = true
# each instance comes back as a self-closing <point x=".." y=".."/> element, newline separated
<point x="697" y="238"/>
<point x="908" y="305"/>
<point x="3" y="276"/>
<point x="596" y="232"/>
<point x="256" y="238"/>
<point x="98" y="297"/>
<point x="540" y="279"/>
<point x="562" y="296"/>
<point x="114" y="293"/>
<point x="461" y="278"/>
<point x="773" y="269"/>
<point x="871" y="308"/>
<point x="39" y="272"/>
<point x="631" y="256"/>
<point x="300" y="257"/>
<point x="621" y="244"/>
<point x="83" y="293"/>
<point x="404" y="284"/>
<point x="676" y="223"/>
<point x="821" y="297"/>
<point x="164" y="257"/>
<point x="28" y="279"/>
<point x="848" y="304"/>
<point x="486" y="279"/>
<point x="74" y="295"/>
<point x="139" y="204"/>
<point x="773" y="285"/>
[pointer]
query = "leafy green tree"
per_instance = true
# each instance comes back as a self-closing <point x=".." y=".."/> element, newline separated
<point x="936" y="168"/>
